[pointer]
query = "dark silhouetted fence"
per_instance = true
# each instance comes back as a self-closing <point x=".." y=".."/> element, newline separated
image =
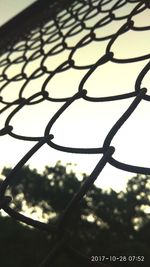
<point x="44" y="31"/>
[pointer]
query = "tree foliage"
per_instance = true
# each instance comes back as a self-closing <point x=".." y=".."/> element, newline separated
<point x="104" y="222"/>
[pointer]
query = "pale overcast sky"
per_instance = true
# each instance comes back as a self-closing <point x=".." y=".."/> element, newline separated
<point x="85" y="123"/>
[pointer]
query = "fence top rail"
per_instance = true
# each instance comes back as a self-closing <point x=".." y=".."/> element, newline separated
<point x="29" y="19"/>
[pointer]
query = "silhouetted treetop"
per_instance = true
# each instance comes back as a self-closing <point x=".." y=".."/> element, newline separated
<point x="104" y="222"/>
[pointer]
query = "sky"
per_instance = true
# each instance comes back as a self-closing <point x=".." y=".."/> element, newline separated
<point x="84" y="123"/>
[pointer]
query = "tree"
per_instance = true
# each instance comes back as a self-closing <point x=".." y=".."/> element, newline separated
<point x="104" y="223"/>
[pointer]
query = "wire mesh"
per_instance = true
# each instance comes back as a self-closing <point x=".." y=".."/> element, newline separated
<point x="56" y="35"/>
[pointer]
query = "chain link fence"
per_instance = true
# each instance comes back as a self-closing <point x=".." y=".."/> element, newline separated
<point x="42" y="43"/>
